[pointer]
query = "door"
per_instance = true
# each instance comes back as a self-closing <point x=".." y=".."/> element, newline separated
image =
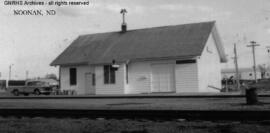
<point x="90" y="83"/>
<point x="162" y="78"/>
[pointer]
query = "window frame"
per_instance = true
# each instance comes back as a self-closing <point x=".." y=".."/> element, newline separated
<point x="73" y="76"/>
<point x="109" y="74"/>
<point x="93" y="79"/>
<point x="127" y="74"/>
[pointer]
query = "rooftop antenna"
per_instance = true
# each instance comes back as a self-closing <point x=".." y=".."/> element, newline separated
<point x="124" y="25"/>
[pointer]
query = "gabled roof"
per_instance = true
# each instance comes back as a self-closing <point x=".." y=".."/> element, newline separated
<point x="178" y="42"/>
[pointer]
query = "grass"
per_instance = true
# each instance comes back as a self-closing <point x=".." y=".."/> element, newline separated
<point x="52" y="125"/>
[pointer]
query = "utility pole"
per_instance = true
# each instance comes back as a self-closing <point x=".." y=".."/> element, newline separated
<point x="26" y="75"/>
<point x="236" y="68"/>
<point x="268" y="51"/>
<point x="253" y="45"/>
<point x="268" y="62"/>
<point x="9" y="75"/>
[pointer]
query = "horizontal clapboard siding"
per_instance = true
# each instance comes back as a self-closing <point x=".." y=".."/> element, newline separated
<point x="186" y="77"/>
<point x="139" y="77"/>
<point x="80" y="85"/>
<point x="209" y="67"/>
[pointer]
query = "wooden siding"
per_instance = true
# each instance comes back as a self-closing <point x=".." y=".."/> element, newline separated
<point x="186" y="77"/>
<point x="117" y="88"/>
<point x="80" y="86"/>
<point x="139" y="77"/>
<point x="163" y="78"/>
<point x="209" y="67"/>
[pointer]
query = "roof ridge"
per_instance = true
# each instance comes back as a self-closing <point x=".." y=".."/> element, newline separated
<point x="149" y="28"/>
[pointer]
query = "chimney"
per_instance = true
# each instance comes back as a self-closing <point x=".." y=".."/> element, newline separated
<point x="124" y="25"/>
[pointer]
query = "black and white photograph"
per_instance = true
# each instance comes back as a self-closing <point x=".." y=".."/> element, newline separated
<point x="134" y="66"/>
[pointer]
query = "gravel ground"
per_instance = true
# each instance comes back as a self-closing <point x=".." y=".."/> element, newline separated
<point x="138" y="104"/>
<point x="84" y="125"/>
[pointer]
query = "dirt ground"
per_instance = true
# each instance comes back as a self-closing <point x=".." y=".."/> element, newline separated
<point x="100" y="125"/>
<point x="138" y="104"/>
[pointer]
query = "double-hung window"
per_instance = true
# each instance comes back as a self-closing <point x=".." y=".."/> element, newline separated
<point x="73" y="76"/>
<point x="109" y="74"/>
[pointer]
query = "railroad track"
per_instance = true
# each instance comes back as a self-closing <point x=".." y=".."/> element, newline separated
<point x="138" y="114"/>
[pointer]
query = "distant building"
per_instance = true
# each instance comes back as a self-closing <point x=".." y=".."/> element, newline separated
<point x="244" y="73"/>
<point x="181" y="58"/>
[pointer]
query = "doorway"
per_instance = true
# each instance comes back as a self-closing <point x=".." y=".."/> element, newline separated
<point x="162" y="77"/>
<point x="90" y="83"/>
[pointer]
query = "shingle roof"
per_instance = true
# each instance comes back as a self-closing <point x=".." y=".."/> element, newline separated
<point x="181" y="41"/>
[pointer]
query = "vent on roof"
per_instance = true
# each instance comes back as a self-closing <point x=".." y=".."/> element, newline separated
<point x="124" y="25"/>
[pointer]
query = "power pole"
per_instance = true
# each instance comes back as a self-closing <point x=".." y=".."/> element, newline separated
<point x="236" y="68"/>
<point x="253" y="45"/>
<point x="26" y="75"/>
<point x="9" y="75"/>
<point x="268" y="51"/>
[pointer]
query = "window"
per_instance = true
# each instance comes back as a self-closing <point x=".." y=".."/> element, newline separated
<point x="93" y="79"/>
<point x="73" y="76"/>
<point x="185" y="61"/>
<point x="127" y="73"/>
<point x="30" y="83"/>
<point x="109" y="74"/>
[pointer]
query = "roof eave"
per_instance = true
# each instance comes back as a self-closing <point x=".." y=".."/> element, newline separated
<point x="129" y="60"/>
<point x="219" y="44"/>
<point x="70" y="64"/>
<point x="148" y="59"/>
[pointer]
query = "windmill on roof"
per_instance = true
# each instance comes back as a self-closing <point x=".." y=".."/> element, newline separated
<point x="124" y="25"/>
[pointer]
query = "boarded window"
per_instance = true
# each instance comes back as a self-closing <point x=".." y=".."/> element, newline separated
<point x="109" y="74"/>
<point x="73" y="76"/>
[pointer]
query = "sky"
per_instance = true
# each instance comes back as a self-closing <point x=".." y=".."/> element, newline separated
<point x="31" y="43"/>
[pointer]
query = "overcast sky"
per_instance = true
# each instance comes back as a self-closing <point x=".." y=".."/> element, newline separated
<point x="32" y="42"/>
